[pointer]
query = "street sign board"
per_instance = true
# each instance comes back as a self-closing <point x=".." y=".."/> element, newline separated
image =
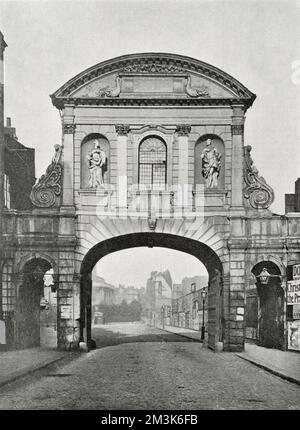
<point x="296" y="271"/>
<point x="293" y="292"/>
<point x="296" y="312"/>
<point x="294" y="335"/>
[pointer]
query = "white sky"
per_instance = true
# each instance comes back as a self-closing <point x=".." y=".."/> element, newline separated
<point x="133" y="266"/>
<point x="257" y="42"/>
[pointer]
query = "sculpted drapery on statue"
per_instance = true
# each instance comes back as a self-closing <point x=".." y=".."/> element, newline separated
<point x="211" y="165"/>
<point x="97" y="164"/>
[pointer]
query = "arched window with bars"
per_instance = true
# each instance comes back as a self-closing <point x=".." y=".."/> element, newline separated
<point x="153" y="163"/>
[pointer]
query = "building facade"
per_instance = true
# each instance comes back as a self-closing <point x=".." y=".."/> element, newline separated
<point x="153" y="154"/>
<point x="19" y="171"/>
<point x="158" y="299"/>
<point x="187" y="303"/>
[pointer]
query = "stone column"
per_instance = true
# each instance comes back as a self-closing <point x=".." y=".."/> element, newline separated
<point x="237" y="130"/>
<point x="65" y="300"/>
<point x="122" y="134"/>
<point x="183" y="131"/>
<point x="68" y="161"/>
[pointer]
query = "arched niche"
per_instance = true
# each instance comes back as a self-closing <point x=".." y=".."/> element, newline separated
<point x="267" y="301"/>
<point x="34" y="306"/>
<point x="87" y="146"/>
<point x="217" y="143"/>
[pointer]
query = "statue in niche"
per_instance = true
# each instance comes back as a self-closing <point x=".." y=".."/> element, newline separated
<point x="211" y="165"/>
<point x="97" y="163"/>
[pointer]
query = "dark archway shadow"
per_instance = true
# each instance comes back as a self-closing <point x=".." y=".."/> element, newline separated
<point x="270" y="306"/>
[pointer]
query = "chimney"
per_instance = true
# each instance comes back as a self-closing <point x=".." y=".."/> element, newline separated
<point x="9" y="130"/>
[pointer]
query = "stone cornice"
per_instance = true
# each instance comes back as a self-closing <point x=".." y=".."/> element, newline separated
<point x="154" y="63"/>
<point x="137" y="102"/>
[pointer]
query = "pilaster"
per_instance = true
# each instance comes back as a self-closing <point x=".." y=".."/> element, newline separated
<point x="183" y="131"/>
<point x="122" y="135"/>
<point x="237" y="130"/>
<point x="68" y="157"/>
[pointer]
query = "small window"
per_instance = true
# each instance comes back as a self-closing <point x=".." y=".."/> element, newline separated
<point x="8" y="291"/>
<point x="6" y="192"/>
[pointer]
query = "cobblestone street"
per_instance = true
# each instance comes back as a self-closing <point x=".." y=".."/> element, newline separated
<point x="137" y="367"/>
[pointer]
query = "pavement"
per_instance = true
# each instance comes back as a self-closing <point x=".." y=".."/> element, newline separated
<point x="285" y="364"/>
<point x="15" y="364"/>
<point x="143" y="368"/>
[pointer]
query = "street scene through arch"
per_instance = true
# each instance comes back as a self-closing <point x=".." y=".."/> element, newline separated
<point x="139" y="290"/>
<point x="202" y="252"/>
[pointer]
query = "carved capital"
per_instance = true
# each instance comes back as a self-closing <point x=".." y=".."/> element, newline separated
<point x="122" y="129"/>
<point x="183" y="129"/>
<point x="237" y="129"/>
<point x="69" y="128"/>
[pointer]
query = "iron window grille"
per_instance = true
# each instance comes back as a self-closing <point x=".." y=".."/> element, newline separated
<point x="153" y="164"/>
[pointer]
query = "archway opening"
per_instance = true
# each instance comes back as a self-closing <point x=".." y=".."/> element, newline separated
<point x="36" y="313"/>
<point x="196" y="249"/>
<point x="153" y="288"/>
<point x="265" y="307"/>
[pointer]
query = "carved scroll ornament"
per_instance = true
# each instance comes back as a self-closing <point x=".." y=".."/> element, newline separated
<point x="91" y="90"/>
<point x="195" y="91"/>
<point x="143" y="67"/>
<point x="110" y="91"/>
<point x="47" y="189"/>
<point x="257" y="191"/>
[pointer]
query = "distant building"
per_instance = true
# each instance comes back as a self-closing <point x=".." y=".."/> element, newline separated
<point x="19" y="171"/>
<point x="189" y="284"/>
<point x="292" y="201"/>
<point x="187" y="304"/>
<point x="159" y="298"/>
<point x="103" y="293"/>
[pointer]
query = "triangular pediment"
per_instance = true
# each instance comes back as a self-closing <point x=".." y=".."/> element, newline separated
<point x="153" y="76"/>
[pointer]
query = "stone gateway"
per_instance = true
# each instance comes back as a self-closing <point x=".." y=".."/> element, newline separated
<point x="153" y="154"/>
